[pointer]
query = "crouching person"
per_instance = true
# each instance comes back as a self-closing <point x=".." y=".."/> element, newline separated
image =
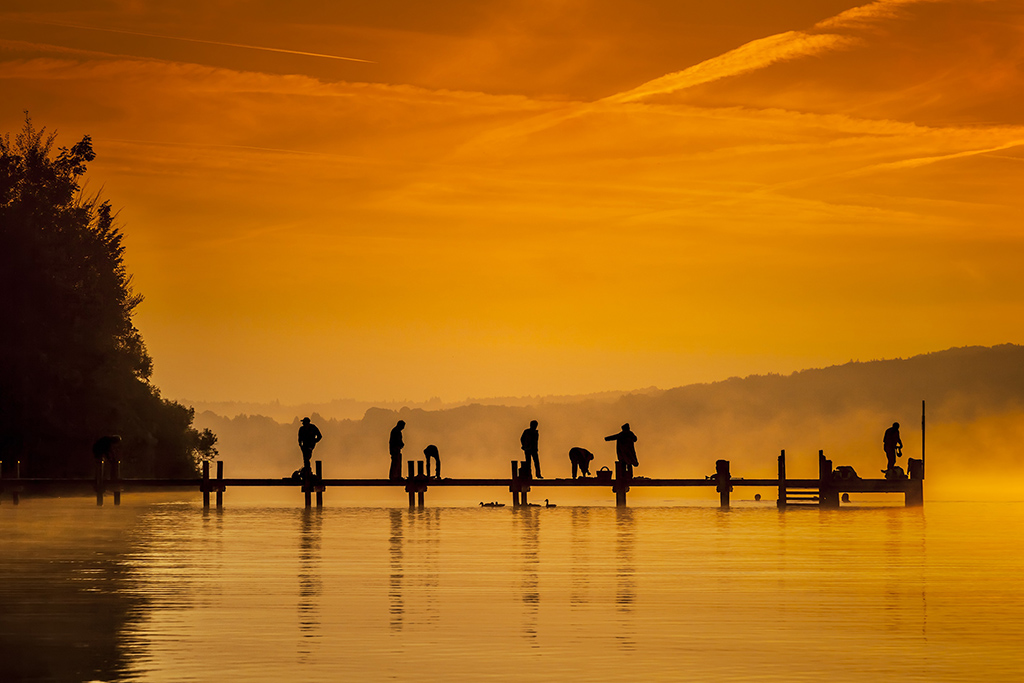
<point x="580" y="459"/>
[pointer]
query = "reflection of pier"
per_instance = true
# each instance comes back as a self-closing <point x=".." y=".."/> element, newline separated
<point x="824" y="491"/>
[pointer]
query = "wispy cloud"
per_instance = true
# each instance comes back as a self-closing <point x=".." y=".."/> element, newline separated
<point x="757" y="54"/>
<point x="198" y="40"/>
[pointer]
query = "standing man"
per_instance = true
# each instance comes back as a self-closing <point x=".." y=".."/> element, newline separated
<point x="309" y="437"/>
<point x="395" y="445"/>
<point x="625" y="451"/>
<point x="529" y="441"/>
<point x="893" y="446"/>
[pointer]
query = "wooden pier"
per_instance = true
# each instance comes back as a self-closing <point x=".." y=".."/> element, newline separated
<point x="824" y="491"/>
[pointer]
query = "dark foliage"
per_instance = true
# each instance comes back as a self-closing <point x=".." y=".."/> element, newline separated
<point x="73" y="367"/>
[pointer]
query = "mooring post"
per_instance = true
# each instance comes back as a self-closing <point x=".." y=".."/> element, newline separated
<point x="913" y="495"/>
<point x="723" y="477"/>
<point x="1" y="481"/>
<point x="620" y="486"/>
<point x="220" y="484"/>
<point x="420" y="484"/>
<point x="514" y="485"/>
<point x="319" y="484"/>
<point x="782" y="479"/>
<point x="409" y="487"/>
<point x="16" y="491"/>
<point x="115" y="481"/>
<point x="525" y="476"/>
<point x="828" y="494"/>
<point x="99" y="481"/>
<point x="205" y="486"/>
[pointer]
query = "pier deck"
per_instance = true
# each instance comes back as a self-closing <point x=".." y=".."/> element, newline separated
<point x="825" y="491"/>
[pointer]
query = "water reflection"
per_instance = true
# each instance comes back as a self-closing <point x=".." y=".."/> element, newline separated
<point x="580" y="569"/>
<point x="427" y="527"/>
<point x="528" y="523"/>
<point x="396" y="601"/>
<point x="310" y="582"/>
<point x="625" y="578"/>
<point x="66" y="600"/>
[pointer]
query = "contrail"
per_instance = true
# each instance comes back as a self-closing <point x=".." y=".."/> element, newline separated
<point x="199" y="40"/>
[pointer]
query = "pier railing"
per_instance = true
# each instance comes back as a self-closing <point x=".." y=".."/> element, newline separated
<point x="825" y="491"/>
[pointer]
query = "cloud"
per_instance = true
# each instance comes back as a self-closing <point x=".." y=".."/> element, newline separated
<point x="198" y="40"/>
<point x="757" y="54"/>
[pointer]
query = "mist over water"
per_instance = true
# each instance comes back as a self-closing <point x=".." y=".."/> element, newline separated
<point x="160" y="590"/>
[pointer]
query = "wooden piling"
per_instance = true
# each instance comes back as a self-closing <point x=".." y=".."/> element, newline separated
<point x="204" y="487"/>
<point x="722" y="478"/>
<point x="420" y="493"/>
<point x="514" y="486"/>
<point x="99" y="481"/>
<point x="410" y="488"/>
<point x="782" y="479"/>
<point x="621" y="483"/>
<point x="115" y="480"/>
<point x="319" y="484"/>
<point x="220" y="484"/>
<point x="1" y="481"/>
<point x="525" y="476"/>
<point x="828" y="494"/>
<point x="16" y="493"/>
<point x="914" y="492"/>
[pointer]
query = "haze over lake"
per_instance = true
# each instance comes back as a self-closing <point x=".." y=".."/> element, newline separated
<point x="160" y="590"/>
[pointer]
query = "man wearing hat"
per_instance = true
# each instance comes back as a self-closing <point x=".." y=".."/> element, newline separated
<point x="309" y="437"/>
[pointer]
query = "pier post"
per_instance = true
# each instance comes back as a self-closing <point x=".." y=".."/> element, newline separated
<point x="205" y="487"/>
<point x="782" y="479"/>
<point x="723" y="477"/>
<point x="409" y="487"/>
<point x="621" y="485"/>
<point x="319" y="484"/>
<point x="115" y="480"/>
<point x="99" y="481"/>
<point x="420" y="484"/>
<point x="1" y="481"/>
<point x="220" y="484"/>
<point x="514" y="486"/>
<point x="828" y="495"/>
<point x="914" y="492"/>
<point x="16" y="491"/>
<point x="525" y="475"/>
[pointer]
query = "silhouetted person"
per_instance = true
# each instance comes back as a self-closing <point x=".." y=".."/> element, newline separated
<point x="529" y="441"/>
<point x="625" y="451"/>
<point x="105" y="446"/>
<point x="580" y="458"/>
<point x="309" y="437"/>
<point x="431" y="452"/>
<point x="893" y="445"/>
<point x="395" y="445"/>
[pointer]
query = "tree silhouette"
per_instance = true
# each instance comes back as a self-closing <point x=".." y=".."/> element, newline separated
<point x="73" y="367"/>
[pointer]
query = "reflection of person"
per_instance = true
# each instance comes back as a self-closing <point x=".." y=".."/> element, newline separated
<point x="580" y="458"/>
<point x="309" y="437"/>
<point x="529" y="441"/>
<point x="625" y="451"/>
<point x="893" y="445"/>
<point x="105" y="446"/>
<point x="431" y="452"/>
<point x="395" y="445"/>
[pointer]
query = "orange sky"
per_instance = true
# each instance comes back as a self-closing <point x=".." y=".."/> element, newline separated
<point x="540" y="197"/>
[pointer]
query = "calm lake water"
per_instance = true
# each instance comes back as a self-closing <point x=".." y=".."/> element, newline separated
<point x="160" y="590"/>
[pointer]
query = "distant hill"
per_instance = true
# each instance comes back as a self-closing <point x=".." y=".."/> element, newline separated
<point x="975" y="408"/>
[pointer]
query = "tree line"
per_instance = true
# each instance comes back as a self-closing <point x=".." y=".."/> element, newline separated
<point x="73" y="366"/>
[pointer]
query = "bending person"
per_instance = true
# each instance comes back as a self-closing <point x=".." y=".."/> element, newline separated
<point x="431" y="452"/>
<point x="580" y="459"/>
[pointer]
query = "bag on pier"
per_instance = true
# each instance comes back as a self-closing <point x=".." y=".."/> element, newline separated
<point x="845" y="473"/>
<point x="604" y="474"/>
